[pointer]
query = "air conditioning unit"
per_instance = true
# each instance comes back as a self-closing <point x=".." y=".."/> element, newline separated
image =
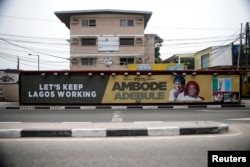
<point x="139" y="40"/>
<point x="139" y="60"/>
<point x="74" y="60"/>
<point x="74" y="21"/>
<point x="139" y="21"/>
<point x="74" y="40"/>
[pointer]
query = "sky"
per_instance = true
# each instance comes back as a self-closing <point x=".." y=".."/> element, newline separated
<point x="186" y="26"/>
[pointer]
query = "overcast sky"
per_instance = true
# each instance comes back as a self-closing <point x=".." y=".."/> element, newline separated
<point x="30" y="27"/>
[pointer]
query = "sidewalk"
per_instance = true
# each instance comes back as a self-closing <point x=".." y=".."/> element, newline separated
<point x="16" y="130"/>
<point x="246" y="102"/>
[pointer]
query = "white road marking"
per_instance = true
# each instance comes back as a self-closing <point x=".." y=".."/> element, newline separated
<point x="141" y="122"/>
<point x="239" y="119"/>
<point x="117" y="116"/>
<point x="10" y="122"/>
<point x="76" y="122"/>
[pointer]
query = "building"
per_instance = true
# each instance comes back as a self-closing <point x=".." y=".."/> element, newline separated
<point x="224" y="58"/>
<point x="214" y="57"/>
<point x="108" y="39"/>
<point x="186" y="60"/>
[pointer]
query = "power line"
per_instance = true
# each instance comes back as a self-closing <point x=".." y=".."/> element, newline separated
<point x="32" y="49"/>
<point x="35" y="37"/>
<point x="27" y="18"/>
<point x="25" y="61"/>
<point x="191" y="28"/>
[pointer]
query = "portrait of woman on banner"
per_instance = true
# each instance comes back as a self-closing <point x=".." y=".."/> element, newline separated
<point x="192" y="91"/>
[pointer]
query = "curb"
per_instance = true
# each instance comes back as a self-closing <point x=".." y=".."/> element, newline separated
<point x="162" y="131"/>
<point x="120" y="107"/>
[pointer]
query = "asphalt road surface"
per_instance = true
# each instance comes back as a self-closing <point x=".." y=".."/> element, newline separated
<point x="177" y="151"/>
<point x="181" y="151"/>
<point x="129" y="115"/>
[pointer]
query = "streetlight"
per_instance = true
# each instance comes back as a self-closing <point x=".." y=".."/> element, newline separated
<point x="38" y="60"/>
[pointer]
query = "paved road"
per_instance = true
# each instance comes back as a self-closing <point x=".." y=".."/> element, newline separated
<point x="175" y="151"/>
<point x="130" y="115"/>
<point x="127" y="151"/>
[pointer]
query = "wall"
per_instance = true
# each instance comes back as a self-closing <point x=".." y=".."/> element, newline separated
<point x="149" y="49"/>
<point x="198" y="56"/>
<point x="221" y="56"/>
<point x="146" y="87"/>
<point x="11" y="92"/>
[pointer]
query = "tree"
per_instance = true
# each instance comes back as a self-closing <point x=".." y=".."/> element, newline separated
<point x="158" y="44"/>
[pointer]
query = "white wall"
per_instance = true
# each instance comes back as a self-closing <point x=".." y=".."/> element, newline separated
<point x="221" y="56"/>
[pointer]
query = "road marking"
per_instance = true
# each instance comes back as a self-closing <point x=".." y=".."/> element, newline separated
<point x="118" y="107"/>
<point x="87" y="107"/>
<point x="214" y="106"/>
<point x="239" y="119"/>
<point x="117" y="116"/>
<point x="180" y="107"/>
<point x="141" y="122"/>
<point x="150" y="107"/>
<point x="10" y="122"/>
<point x="76" y="122"/>
<point x="10" y="133"/>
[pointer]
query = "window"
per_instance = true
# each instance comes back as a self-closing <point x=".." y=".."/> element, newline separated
<point x="124" y="61"/>
<point x="88" y="23"/>
<point x="127" y="41"/>
<point x="130" y="22"/>
<point x="205" y="61"/>
<point x="88" y="61"/>
<point x="125" y="23"/>
<point x="88" y="41"/>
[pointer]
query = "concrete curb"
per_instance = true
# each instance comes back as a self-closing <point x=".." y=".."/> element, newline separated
<point x="113" y="132"/>
<point x="119" y="107"/>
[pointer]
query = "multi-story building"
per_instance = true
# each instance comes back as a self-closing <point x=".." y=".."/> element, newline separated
<point x="108" y="39"/>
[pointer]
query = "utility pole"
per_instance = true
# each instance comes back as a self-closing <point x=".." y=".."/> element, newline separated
<point x="247" y="53"/>
<point x="239" y="52"/>
<point x="18" y="61"/>
<point x="38" y="60"/>
<point x="247" y="40"/>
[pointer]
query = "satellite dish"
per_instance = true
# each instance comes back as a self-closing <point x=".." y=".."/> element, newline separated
<point x="108" y="61"/>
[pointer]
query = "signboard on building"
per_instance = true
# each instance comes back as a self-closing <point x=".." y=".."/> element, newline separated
<point x="82" y="89"/>
<point x="108" y="43"/>
<point x="6" y="77"/>
<point x="156" y="67"/>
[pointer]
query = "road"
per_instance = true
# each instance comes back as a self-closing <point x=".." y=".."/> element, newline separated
<point x="105" y="152"/>
<point x="129" y="115"/>
<point x="177" y="151"/>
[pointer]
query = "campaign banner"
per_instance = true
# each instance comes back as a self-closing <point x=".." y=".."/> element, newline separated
<point x="60" y="89"/>
<point x="129" y="89"/>
<point x="137" y="89"/>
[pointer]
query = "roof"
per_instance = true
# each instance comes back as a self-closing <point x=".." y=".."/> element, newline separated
<point x="64" y="16"/>
<point x="174" y="57"/>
